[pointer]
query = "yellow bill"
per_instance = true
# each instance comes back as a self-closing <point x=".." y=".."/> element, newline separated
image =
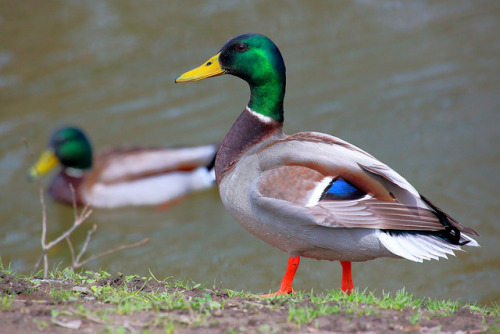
<point x="45" y="163"/>
<point x="211" y="68"/>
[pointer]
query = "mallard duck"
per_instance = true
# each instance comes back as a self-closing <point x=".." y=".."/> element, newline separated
<point x="311" y="194"/>
<point x="123" y="176"/>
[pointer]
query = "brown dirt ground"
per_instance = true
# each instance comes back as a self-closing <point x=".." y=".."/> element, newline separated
<point x="31" y="312"/>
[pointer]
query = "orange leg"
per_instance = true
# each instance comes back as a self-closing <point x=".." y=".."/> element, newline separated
<point x="286" y="283"/>
<point x="346" y="285"/>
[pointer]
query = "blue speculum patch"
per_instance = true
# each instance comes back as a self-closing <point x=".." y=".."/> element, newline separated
<point x="340" y="189"/>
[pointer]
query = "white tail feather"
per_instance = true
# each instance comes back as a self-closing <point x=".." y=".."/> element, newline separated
<point x="419" y="247"/>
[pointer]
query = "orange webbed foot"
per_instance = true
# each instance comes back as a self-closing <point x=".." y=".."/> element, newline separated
<point x="286" y="283"/>
<point x="277" y="293"/>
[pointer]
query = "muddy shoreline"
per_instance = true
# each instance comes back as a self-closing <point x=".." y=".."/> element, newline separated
<point x="119" y="303"/>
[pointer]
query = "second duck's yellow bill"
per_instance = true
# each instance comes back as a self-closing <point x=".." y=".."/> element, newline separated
<point x="211" y="68"/>
<point x="45" y="163"/>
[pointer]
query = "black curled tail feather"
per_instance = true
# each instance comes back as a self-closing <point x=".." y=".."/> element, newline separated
<point x="453" y="229"/>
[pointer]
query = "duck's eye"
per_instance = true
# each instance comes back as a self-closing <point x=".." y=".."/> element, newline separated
<point x="240" y="47"/>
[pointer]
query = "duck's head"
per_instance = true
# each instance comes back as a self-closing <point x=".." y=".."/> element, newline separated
<point x="69" y="147"/>
<point x="255" y="59"/>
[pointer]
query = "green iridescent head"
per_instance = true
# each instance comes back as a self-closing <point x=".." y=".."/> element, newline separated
<point x="69" y="147"/>
<point x="72" y="148"/>
<point x="255" y="59"/>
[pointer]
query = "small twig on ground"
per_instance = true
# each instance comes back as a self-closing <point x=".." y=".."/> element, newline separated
<point x="85" y="245"/>
<point x="71" y="249"/>
<point x="44" y="217"/>
<point x="110" y="251"/>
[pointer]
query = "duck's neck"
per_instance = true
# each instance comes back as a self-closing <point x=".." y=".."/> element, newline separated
<point x="249" y="130"/>
<point x="267" y="99"/>
<point x="261" y="119"/>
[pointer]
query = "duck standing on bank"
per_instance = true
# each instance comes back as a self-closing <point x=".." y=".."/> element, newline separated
<point x="123" y="175"/>
<point x="311" y="194"/>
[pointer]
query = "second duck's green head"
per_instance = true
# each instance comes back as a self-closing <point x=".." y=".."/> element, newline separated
<point x="68" y="146"/>
<point x="255" y="59"/>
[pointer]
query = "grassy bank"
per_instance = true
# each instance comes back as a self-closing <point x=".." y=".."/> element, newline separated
<point x="98" y="302"/>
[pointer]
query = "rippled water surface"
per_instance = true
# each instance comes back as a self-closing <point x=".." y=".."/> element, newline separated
<point x="417" y="84"/>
